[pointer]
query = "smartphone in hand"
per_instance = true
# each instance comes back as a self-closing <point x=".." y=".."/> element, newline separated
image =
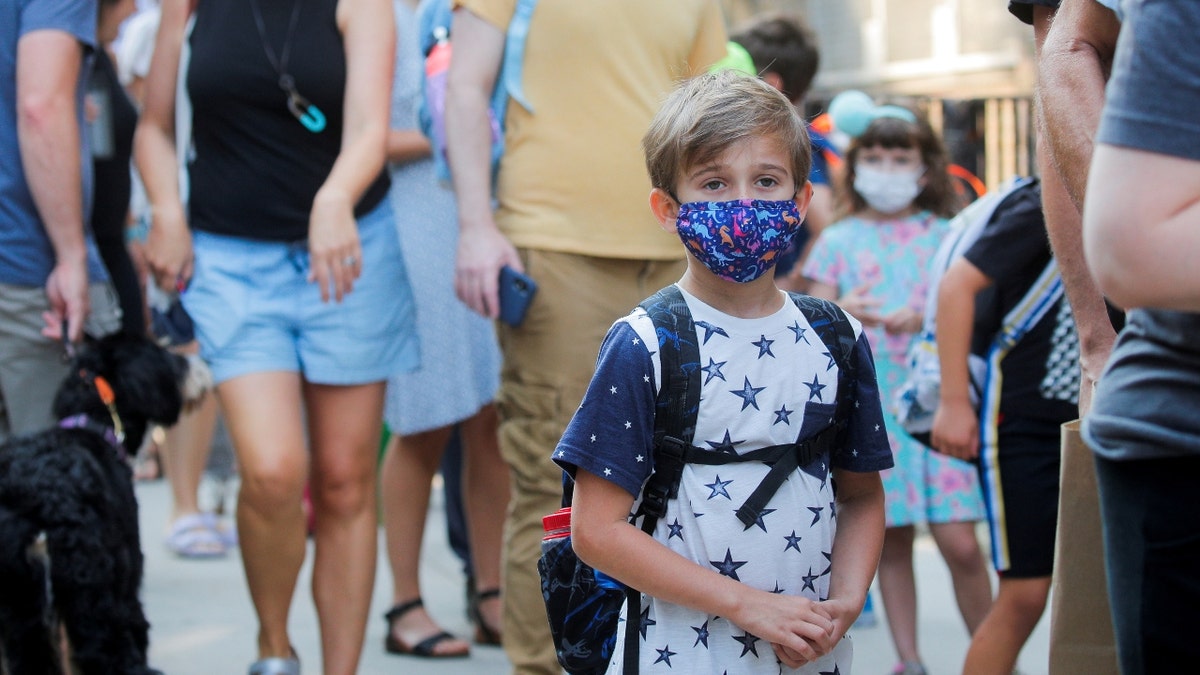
<point x="516" y="292"/>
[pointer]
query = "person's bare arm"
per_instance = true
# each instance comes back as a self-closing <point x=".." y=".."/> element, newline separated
<point x="1075" y="61"/>
<point x="856" y="545"/>
<point x="49" y="65"/>
<point x="955" y="423"/>
<point x="369" y="38"/>
<point x="406" y="145"/>
<point x="605" y="540"/>
<point x="1141" y="228"/>
<point x="169" y="246"/>
<point x="482" y="249"/>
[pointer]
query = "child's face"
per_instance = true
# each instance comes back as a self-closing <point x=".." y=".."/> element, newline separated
<point x="736" y="213"/>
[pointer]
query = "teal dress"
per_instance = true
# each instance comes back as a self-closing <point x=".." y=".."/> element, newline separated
<point x="892" y="257"/>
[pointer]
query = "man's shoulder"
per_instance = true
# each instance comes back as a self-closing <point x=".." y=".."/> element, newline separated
<point x="74" y="17"/>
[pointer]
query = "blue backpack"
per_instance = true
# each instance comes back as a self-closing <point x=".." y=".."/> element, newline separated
<point x="434" y="19"/>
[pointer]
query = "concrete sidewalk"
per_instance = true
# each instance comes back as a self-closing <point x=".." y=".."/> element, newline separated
<point x="202" y="622"/>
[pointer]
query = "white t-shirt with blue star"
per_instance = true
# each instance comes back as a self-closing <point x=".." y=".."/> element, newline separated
<point x="765" y="381"/>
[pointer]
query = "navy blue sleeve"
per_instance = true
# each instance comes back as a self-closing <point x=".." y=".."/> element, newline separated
<point x="612" y="432"/>
<point x="866" y="447"/>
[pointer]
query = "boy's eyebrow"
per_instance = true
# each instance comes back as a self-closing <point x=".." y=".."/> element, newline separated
<point x="712" y="166"/>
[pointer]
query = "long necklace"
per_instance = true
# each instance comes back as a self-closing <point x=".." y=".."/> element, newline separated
<point x="308" y="114"/>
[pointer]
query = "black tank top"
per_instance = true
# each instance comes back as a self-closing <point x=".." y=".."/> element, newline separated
<point x="256" y="168"/>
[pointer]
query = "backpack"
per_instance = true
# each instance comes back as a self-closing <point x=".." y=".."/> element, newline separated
<point x="917" y="400"/>
<point x="582" y="604"/>
<point x="433" y="20"/>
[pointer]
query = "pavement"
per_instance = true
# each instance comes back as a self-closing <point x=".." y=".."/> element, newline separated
<point x="202" y="622"/>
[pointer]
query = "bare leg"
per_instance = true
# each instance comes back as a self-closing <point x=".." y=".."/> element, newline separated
<point x="408" y="467"/>
<point x="262" y="411"/>
<point x="485" y="494"/>
<point x="185" y="453"/>
<point x="968" y="570"/>
<point x="898" y="587"/>
<point x="1014" y="614"/>
<point x="344" y="426"/>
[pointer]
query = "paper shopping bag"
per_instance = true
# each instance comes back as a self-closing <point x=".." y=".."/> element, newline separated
<point x="1081" y="633"/>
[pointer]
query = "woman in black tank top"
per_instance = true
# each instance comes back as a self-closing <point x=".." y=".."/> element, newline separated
<point x="297" y="292"/>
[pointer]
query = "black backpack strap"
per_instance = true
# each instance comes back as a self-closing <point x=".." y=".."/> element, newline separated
<point x="678" y="399"/>
<point x="675" y="411"/>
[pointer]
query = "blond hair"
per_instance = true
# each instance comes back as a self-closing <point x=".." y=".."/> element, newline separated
<point x="707" y="114"/>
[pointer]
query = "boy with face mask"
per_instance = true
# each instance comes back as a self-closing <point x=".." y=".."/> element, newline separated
<point x="728" y="156"/>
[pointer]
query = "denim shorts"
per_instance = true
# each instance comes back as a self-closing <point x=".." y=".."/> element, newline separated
<point x="255" y="310"/>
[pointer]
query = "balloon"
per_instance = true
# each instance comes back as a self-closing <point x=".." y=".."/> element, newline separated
<point x="852" y="112"/>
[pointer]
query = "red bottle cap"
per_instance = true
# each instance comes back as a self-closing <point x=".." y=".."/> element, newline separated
<point x="559" y="520"/>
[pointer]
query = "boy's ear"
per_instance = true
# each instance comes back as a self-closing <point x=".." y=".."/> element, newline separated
<point x="665" y="208"/>
<point x="804" y="198"/>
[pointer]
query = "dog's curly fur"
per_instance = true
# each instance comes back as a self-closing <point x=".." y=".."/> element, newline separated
<point x="70" y="555"/>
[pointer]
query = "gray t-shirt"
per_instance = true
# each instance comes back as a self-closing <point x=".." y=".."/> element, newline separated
<point x="1146" y="402"/>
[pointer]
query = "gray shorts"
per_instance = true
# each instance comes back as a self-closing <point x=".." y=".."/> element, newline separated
<point x="31" y="366"/>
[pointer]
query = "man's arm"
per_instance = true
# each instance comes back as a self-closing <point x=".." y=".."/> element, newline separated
<point x="49" y="64"/>
<point x="482" y="249"/>
<point x="1075" y="62"/>
<point x="1141" y="228"/>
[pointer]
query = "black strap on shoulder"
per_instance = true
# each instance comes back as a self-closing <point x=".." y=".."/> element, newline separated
<point x="678" y="398"/>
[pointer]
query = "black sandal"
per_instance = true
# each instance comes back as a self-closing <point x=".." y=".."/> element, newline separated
<point x="424" y="648"/>
<point x="484" y="634"/>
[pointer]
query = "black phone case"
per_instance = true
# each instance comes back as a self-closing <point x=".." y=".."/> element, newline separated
<point x="516" y="292"/>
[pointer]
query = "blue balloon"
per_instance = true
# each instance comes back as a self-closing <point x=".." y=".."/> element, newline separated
<point x="852" y="111"/>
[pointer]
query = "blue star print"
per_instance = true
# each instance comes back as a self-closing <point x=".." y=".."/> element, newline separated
<point x="816" y="514"/>
<point x="710" y="330"/>
<point x="646" y="621"/>
<point x="759" y="521"/>
<point x="701" y="634"/>
<point x="808" y="580"/>
<point x="725" y="445"/>
<point x="664" y="654"/>
<point x="800" y="332"/>
<point x="814" y="389"/>
<point x="832" y="361"/>
<point x="713" y="369"/>
<point x="781" y="415"/>
<point x="718" y="488"/>
<point x="729" y="567"/>
<point x="793" y="541"/>
<point x="676" y="530"/>
<point x="747" y="641"/>
<point x="764" y="347"/>
<point x="750" y="392"/>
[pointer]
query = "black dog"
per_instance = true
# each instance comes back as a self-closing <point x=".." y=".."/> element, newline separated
<point x="70" y="555"/>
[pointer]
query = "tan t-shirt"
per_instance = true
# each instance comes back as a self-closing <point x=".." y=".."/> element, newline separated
<point x="573" y="177"/>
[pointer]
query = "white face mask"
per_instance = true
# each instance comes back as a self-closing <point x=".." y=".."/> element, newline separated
<point x="888" y="191"/>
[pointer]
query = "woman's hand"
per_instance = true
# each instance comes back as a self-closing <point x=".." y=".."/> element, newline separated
<point x="956" y="429"/>
<point x="169" y="248"/>
<point x="334" y="251"/>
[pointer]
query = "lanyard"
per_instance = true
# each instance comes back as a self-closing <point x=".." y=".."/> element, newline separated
<point x="305" y="112"/>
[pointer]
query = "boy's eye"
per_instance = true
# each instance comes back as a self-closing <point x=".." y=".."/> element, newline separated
<point x="767" y="182"/>
<point x="713" y="184"/>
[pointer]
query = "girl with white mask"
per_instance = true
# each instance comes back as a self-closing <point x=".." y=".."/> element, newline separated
<point x="895" y="196"/>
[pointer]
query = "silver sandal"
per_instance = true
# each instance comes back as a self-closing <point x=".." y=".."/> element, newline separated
<point x="275" y="666"/>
